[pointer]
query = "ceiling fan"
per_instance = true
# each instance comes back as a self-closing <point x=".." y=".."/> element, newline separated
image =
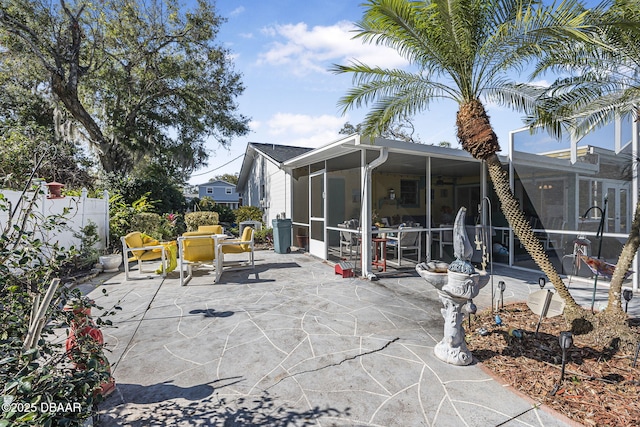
<point x="440" y="182"/>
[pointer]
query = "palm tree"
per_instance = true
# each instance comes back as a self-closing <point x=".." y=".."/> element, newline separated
<point x="605" y="84"/>
<point x="461" y="51"/>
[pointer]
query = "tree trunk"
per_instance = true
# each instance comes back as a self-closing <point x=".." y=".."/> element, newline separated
<point x="629" y="250"/>
<point x="522" y="228"/>
<point x="478" y="138"/>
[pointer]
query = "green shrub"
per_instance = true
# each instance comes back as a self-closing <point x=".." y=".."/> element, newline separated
<point x="40" y="372"/>
<point x="154" y="185"/>
<point x="225" y="213"/>
<point x="148" y="223"/>
<point x="87" y="254"/>
<point x="265" y="235"/>
<point x="248" y="213"/>
<point x="121" y="215"/>
<point x="195" y="219"/>
<point x="172" y="226"/>
<point x="207" y="204"/>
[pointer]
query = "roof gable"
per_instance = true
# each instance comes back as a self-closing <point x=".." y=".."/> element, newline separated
<point x="217" y="183"/>
<point x="280" y="153"/>
<point x="276" y="154"/>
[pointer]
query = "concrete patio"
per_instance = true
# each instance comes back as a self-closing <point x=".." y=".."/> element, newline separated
<point x="292" y="343"/>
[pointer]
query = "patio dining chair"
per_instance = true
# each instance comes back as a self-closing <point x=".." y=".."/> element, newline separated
<point x="139" y="247"/>
<point x="406" y="240"/>
<point x="348" y="240"/>
<point x="238" y="246"/>
<point x="197" y="248"/>
<point x="446" y="238"/>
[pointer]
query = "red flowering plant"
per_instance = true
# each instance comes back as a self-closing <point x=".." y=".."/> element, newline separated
<point x="172" y="226"/>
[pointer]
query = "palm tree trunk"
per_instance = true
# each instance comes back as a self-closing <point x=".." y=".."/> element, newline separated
<point x="478" y="138"/>
<point x="629" y="250"/>
<point x="522" y="229"/>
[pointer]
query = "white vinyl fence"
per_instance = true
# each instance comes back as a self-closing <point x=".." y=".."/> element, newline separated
<point x="81" y="210"/>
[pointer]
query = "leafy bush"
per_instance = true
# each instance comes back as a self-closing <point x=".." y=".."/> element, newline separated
<point x="87" y="254"/>
<point x="225" y="213"/>
<point x="22" y="145"/>
<point x="148" y="223"/>
<point x="159" y="188"/>
<point x="248" y="213"/>
<point x="264" y="235"/>
<point x="172" y="226"/>
<point x="121" y="214"/>
<point x="195" y="219"/>
<point x="36" y="373"/>
<point x="125" y="218"/>
<point x="206" y="204"/>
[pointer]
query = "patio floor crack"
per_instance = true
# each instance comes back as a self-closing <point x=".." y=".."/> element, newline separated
<point x="354" y="357"/>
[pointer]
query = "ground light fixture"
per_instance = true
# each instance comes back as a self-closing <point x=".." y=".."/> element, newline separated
<point x="566" y="341"/>
<point x="471" y="309"/>
<point x="502" y="286"/>
<point x="542" y="281"/>
<point x="627" y="294"/>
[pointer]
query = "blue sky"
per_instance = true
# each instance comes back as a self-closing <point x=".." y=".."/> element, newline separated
<point x="283" y="49"/>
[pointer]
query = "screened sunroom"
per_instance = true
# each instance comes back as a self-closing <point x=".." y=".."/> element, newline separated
<point x="352" y="192"/>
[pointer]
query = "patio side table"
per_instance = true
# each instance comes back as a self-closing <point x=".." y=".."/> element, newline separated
<point x="380" y="248"/>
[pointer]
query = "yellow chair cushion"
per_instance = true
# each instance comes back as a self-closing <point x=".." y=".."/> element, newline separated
<point x="134" y="240"/>
<point x="246" y="236"/>
<point x="232" y="249"/>
<point x="196" y="250"/>
<point x="150" y="255"/>
<point x="213" y="229"/>
<point x="239" y="248"/>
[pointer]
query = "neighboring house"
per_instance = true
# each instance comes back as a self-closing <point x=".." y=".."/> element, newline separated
<point x="222" y="192"/>
<point x="262" y="182"/>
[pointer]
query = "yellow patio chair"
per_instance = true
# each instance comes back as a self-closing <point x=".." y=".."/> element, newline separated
<point x="211" y="229"/>
<point x="238" y="246"/>
<point x="196" y="248"/>
<point x="139" y="247"/>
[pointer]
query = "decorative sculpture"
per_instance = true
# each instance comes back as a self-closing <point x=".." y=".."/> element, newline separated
<point x="457" y="283"/>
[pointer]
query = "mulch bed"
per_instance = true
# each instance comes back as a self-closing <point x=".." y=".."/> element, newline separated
<point x="600" y="386"/>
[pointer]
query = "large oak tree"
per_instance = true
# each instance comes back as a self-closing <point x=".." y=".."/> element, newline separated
<point x="139" y="80"/>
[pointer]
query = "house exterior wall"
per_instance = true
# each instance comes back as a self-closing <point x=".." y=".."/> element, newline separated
<point x="251" y="195"/>
<point x="268" y="188"/>
<point x="278" y="193"/>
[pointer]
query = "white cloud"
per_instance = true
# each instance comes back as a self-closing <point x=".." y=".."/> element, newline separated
<point x="255" y="124"/>
<point x="304" y="130"/>
<point x="542" y="83"/>
<point x="269" y="31"/>
<point x="313" y="49"/>
<point x="237" y="11"/>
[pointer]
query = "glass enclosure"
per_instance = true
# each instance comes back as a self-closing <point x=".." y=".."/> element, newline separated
<point x="568" y="204"/>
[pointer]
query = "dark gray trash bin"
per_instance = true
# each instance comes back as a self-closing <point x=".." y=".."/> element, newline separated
<point x="282" y="235"/>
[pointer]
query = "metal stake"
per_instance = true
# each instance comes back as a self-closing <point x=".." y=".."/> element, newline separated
<point x="603" y="213"/>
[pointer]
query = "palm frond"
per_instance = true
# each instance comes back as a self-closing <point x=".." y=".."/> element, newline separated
<point x="463" y="49"/>
<point x="371" y="83"/>
<point x="521" y="97"/>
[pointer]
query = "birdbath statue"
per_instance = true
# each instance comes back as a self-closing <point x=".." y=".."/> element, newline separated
<point x="457" y="283"/>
